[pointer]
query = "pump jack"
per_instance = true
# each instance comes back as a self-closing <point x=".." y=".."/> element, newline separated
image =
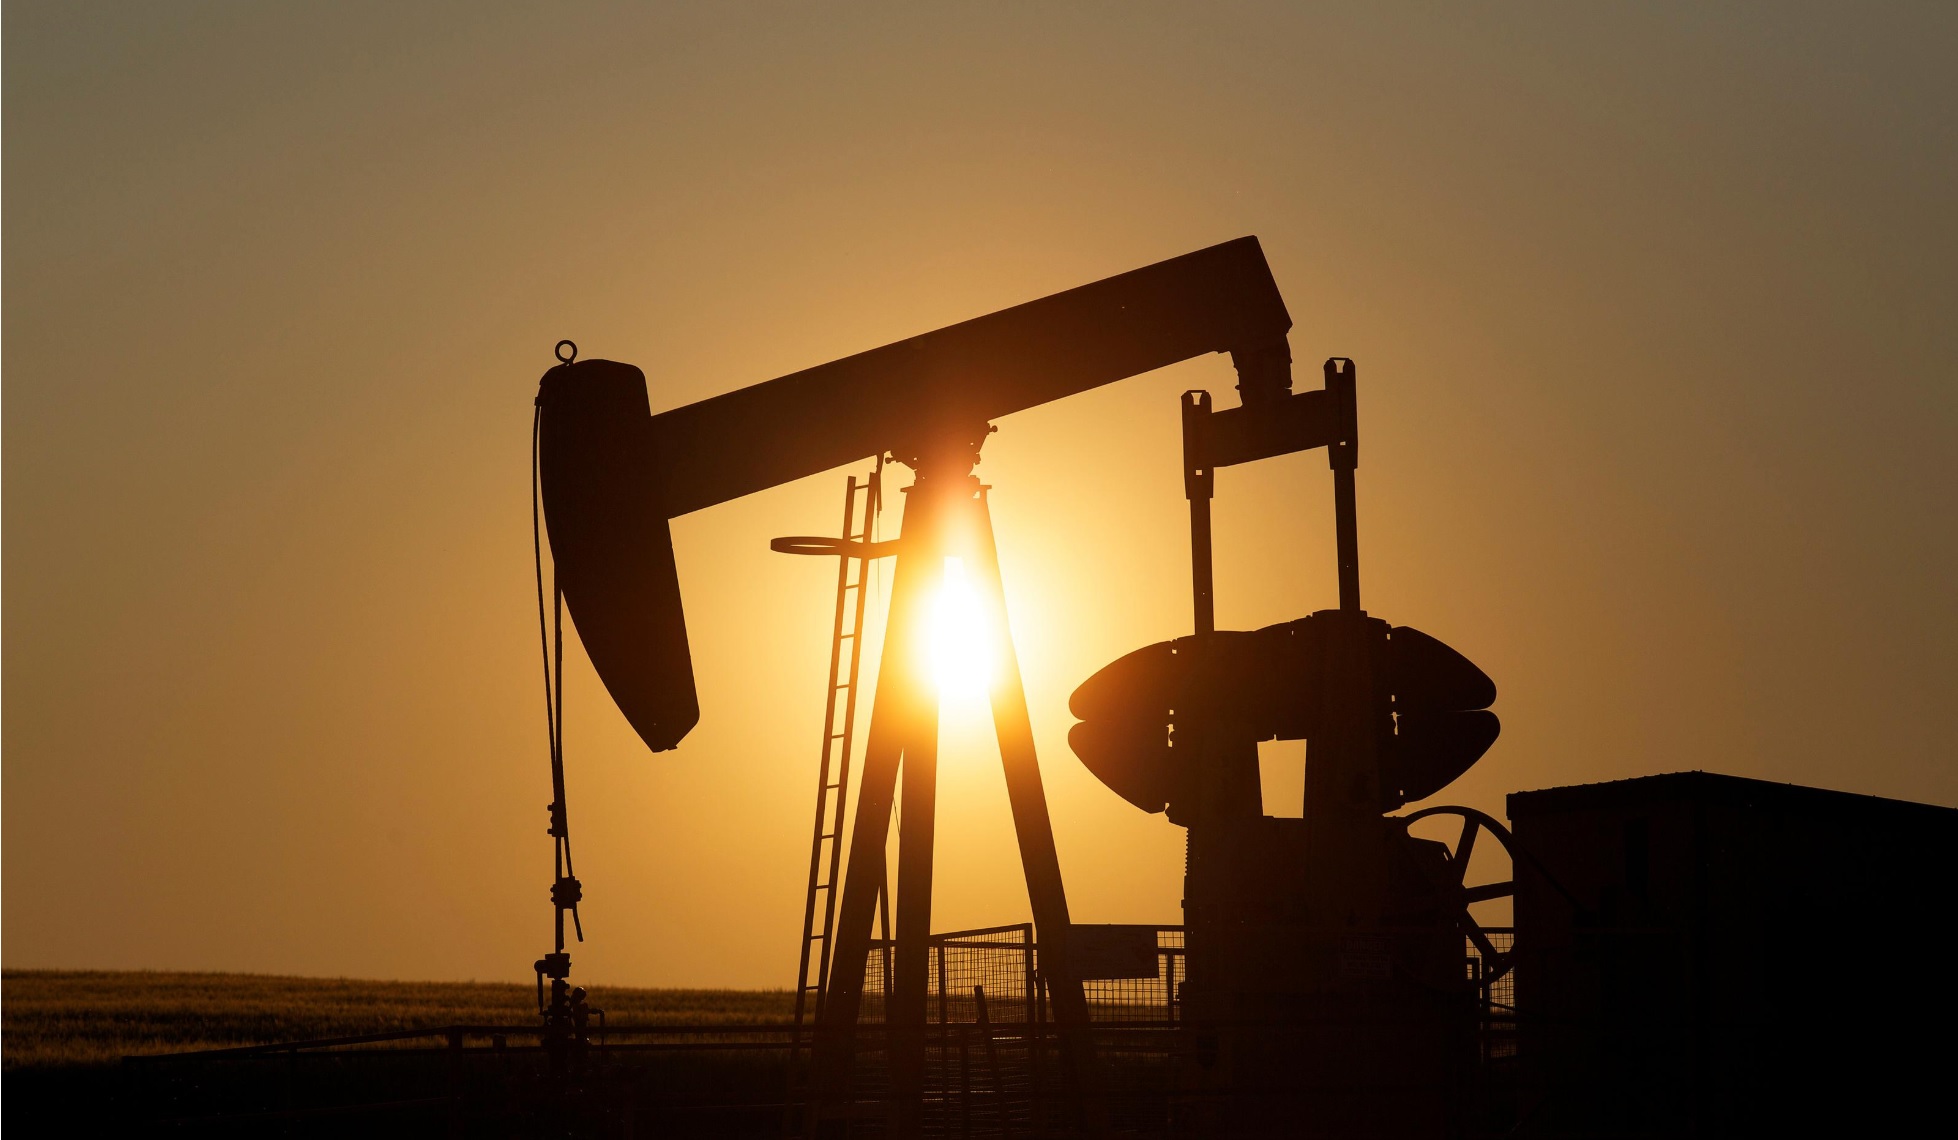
<point x="613" y="473"/>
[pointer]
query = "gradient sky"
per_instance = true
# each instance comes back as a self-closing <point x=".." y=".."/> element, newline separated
<point x="1653" y="307"/>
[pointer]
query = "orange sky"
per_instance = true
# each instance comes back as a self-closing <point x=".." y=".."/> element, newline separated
<point x="1653" y="310"/>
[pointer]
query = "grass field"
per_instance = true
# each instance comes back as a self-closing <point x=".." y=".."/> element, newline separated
<point x="53" y="1019"/>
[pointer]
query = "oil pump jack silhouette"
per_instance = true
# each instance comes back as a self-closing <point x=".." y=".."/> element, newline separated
<point x="1171" y="727"/>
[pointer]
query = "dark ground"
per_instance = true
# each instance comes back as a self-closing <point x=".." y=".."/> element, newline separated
<point x="65" y="1034"/>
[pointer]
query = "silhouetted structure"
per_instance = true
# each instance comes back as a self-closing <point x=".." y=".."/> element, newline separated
<point x="1325" y="959"/>
<point x="1327" y="993"/>
<point x="1727" y="957"/>
<point x="612" y="474"/>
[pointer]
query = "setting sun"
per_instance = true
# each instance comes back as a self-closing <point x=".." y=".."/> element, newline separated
<point x="961" y="650"/>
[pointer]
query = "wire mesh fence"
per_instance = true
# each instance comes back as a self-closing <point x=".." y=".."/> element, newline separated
<point x="992" y="1055"/>
<point x="1147" y="999"/>
<point x="1495" y="984"/>
<point x="1000" y="960"/>
<point x="986" y="1062"/>
<point x="1495" y="981"/>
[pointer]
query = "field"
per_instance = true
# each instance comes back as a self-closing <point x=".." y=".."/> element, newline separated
<point x="53" y="1019"/>
<point x="63" y="1034"/>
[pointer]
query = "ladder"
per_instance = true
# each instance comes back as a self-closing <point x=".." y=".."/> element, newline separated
<point x="862" y="501"/>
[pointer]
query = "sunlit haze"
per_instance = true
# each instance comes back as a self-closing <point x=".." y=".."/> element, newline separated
<point x="1652" y="307"/>
<point x="961" y="649"/>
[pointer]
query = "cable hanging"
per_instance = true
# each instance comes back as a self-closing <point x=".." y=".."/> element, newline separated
<point x="566" y="891"/>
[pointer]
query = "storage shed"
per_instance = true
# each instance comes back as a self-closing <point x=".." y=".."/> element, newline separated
<point x="1706" y="955"/>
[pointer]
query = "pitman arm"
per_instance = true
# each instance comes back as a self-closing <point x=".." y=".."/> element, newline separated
<point x="613" y="473"/>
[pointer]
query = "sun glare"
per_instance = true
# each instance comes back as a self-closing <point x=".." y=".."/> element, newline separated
<point x="961" y="651"/>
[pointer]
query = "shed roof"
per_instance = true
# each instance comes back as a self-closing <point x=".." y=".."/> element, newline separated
<point x="1711" y="787"/>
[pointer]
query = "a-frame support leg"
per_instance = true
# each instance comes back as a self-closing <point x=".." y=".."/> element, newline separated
<point x="940" y="520"/>
<point x="1039" y="858"/>
<point x="903" y="728"/>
